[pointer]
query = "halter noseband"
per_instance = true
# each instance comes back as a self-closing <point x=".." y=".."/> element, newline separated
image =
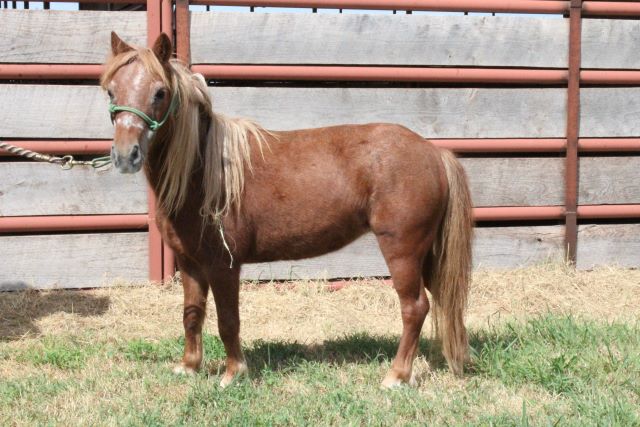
<point x="153" y="124"/>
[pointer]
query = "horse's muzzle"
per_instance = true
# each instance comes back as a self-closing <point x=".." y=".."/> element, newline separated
<point x="128" y="160"/>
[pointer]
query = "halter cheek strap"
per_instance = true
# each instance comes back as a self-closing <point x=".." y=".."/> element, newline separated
<point x="153" y="124"/>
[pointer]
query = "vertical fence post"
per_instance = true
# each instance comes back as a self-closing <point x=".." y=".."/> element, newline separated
<point x="573" y="131"/>
<point x="168" y="259"/>
<point x="154" y="24"/>
<point x="182" y="31"/>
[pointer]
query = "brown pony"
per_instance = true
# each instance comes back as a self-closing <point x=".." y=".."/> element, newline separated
<point x="230" y="192"/>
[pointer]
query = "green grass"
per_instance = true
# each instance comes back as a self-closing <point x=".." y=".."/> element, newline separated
<point x="547" y="371"/>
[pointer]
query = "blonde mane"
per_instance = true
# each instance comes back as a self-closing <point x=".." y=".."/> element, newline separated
<point x="227" y="151"/>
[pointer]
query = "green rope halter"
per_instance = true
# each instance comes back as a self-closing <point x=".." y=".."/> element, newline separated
<point x="153" y="124"/>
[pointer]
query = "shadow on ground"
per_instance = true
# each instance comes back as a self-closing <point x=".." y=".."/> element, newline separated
<point x="357" y="348"/>
<point x="20" y="311"/>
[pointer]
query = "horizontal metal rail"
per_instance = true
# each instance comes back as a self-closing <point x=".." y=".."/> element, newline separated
<point x="590" y="8"/>
<point x="506" y="6"/>
<point x="342" y="73"/>
<point x="50" y="71"/>
<point x="366" y="73"/>
<point x="459" y="145"/>
<point x="56" y="146"/>
<point x="608" y="211"/>
<point x="25" y="224"/>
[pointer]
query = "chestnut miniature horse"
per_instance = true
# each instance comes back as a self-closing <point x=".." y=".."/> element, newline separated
<point x="230" y="192"/>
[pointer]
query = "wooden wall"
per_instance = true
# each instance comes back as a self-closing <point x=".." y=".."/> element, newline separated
<point x="62" y="110"/>
<point x="71" y="111"/>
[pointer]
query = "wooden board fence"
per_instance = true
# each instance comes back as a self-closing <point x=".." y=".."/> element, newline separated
<point x="44" y="36"/>
<point x="73" y="260"/>
<point x="285" y="38"/>
<point x="71" y="111"/>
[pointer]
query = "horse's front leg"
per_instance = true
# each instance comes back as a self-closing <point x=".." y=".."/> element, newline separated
<point x="195" y="308"/>
<point x="226" y="287"/>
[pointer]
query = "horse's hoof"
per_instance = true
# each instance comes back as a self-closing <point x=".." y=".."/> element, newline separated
<point x="183" y="370"/>
<point x="393" y="381"/>
<point x="228" y="378"/>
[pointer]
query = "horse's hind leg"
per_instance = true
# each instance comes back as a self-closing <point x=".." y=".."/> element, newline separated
<point x="195" y="306"/>
<point x="226" y="287"/>
<point x="404" y="258"/>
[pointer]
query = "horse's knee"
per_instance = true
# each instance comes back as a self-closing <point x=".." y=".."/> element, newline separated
<point x="192" y="319"/>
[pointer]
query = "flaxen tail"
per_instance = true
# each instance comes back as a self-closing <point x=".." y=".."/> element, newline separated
<point x="448" y="268"/>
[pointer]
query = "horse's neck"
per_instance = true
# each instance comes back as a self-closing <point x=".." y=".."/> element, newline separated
<point x="158" y="152"/>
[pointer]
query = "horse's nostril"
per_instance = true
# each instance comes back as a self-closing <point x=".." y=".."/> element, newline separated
<point x="135" y="154"/>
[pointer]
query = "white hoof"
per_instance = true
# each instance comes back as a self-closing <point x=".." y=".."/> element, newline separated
<point x="391" y="381"/>
<point x="228" y="379"/>
<point x="183" y="370"/>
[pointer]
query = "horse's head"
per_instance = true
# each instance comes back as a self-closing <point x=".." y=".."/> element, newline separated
<point x="141" y="98"/>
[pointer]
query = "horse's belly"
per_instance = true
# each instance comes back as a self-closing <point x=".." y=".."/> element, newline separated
<point x="297" y="239"/>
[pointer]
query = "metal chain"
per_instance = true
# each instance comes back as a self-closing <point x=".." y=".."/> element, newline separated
<point x="66" y="162"/>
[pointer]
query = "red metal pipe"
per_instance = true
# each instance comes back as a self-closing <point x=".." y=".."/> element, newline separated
<point x="183" y="31"/>
<point x="608" y="211"/>
<point x="167" y="19"/>
<point x="154" y="20"/>
<point x="506" y="6"/>
<point x="608" y="8"/>
<point x="518" y="213"/>
<point x="168" y="264"/>
<point x="24" y="224"/>
<point x="61" y="147"/>
<point x="140" y="221"/>
<point x="341" y="73"/>
<point x="398" y="74"/>
<point x="50" y="71"/>
<point x="168" y="259"/>
<point x="523" y="145"/>
<point x="616" y="77"/>
<point x="154" y="25"/>
<point x="506" y="145"/>
<point x="602" y="145"/>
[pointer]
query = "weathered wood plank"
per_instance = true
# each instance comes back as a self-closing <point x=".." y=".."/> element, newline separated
<point x="48" y="111"/>
<point x="613" y="112"/>
<point x="84" y="191"/>
<point x="65" y="37"/>
<point x="609" y="180"/>
<point x="54" y="111"/>
<point x="515" y="181"/>
<point x="43" y="189"/>
<point x="607" y="244"/>
<point x="285" y="38"/>
<point x="610" y="43"/>
<point x="494" y="247"/>
<point x="510" y="247"/>
<point x="433" y="112"/>
<point x="72" y="260"/>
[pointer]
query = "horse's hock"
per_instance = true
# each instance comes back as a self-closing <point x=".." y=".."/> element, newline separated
<point x="494" y="88"/>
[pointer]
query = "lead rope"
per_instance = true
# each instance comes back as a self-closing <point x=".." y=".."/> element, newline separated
<point x="224" y="243"/>
<point x="66" y="162"/>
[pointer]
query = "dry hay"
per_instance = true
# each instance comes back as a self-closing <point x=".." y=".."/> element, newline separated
<point x="310" y="312"/>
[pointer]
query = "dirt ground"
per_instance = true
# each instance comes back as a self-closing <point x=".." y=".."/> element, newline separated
<point x="311" y="312"/>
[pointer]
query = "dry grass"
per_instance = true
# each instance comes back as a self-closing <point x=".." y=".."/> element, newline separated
<point x="308" y="312"/>
<point x="115" y="385"/>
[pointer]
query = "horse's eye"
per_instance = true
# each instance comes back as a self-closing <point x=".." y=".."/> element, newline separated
<point x="160" y="94"/>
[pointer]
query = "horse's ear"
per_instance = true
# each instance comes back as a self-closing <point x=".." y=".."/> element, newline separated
<point x="117" y="45"/>
<point x="162" y="48"/>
